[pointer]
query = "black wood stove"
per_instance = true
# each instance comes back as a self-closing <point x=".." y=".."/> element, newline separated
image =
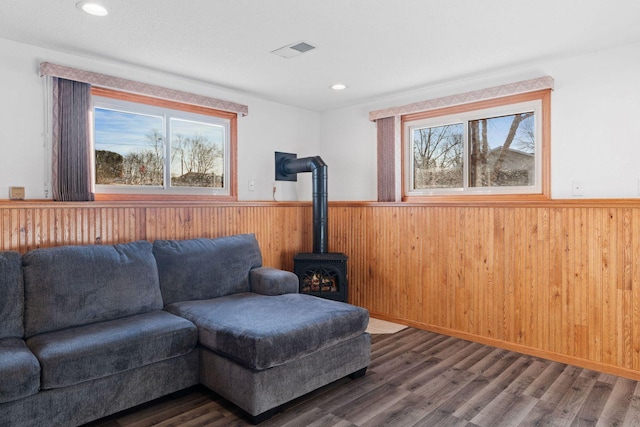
<point x="320" y="273"/>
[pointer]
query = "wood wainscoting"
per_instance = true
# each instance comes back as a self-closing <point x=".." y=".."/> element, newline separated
<point x="556" y="279"/>
<point x="282" y="229"/>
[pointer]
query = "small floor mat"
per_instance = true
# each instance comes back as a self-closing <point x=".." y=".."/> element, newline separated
<point x="378" y="326"/>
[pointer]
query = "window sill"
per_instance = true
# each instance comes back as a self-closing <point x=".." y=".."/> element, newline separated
<point x="474" y="199"/>
<point x="163" y="198"/>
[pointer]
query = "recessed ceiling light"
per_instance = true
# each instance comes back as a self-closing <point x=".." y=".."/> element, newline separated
<point x="92" y="8"/>
<point x="338" y="86"/>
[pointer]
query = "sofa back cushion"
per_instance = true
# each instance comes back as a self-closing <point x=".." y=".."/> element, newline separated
<point x="200" y="269"/>
<point x="11" y="295"/>
<point x="76" y="285"/>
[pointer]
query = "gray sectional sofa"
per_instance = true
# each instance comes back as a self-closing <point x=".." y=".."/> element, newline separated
<point x="87" y="331"/>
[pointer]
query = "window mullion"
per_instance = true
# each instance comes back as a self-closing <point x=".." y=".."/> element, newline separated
<point x="167" y="151"/>
<point x="466" y="156"/>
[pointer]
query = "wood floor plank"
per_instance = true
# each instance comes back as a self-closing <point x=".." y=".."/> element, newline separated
<point x="419" y="378"/>
<point x="442" y="418"/>
<point x="571" y="403"/>
<point x="377" y="401"/>
<point x="616" y="407"/>
<point x="449" y="349"/>
<point x="197" y="416"/>
<point x="503" y="363"/>
<point x="489" y="361"/>
<point x="541" y="384"/>
<point x="315" y="418"/>
<point x="150" y="416"/>
<point x="632" y="417"/>
<point x="542" y="415"/>
<point x="414" y="378"/>
<point x="446" y="381"/>
<point x="509" y="374"/>
<point x="507" y="409"/>
<point x="562" y="384"/>
<point x="479" y="353"/>
<point x="475" y="387"/>
<point x="330" y="402"/>
<point x="398" y="364"/>
<point x="594" y="404"/>
<point x="404" y="413"/>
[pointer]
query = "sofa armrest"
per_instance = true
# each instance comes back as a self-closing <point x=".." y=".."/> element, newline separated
<point x="272" y="281"/>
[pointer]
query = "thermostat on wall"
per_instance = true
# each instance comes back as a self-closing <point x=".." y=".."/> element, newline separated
<point x="16" y="193"/>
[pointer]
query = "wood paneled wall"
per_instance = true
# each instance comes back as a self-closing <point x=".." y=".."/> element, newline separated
<point x="557" y="279"/>
<point x="557" y="282"/>
<point x="282" y="230"/>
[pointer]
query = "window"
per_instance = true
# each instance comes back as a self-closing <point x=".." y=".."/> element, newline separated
<point x="495" y="147"/>
<point x="145" y="145"/>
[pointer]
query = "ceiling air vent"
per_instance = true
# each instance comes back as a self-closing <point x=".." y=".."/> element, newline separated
<point x="294" y="49"/>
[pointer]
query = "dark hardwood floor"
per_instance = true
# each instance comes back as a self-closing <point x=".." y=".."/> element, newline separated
<point x="418" y="378"/>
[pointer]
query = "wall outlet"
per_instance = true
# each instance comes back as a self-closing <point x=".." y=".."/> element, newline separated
<point x="576" y="188"/>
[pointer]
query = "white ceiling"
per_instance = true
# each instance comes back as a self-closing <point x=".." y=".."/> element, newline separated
<point x="375" y="47"/>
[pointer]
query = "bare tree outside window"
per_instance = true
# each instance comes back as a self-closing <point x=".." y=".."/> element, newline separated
<point x="437" y="156"/>
<point x="196" y="154"/>
<point x="495" y="148"/>
<point x="130" y="151"/>
<point x="145" y="166"/>
<point x="129" y="148"/>
<point x="501" y="151"/>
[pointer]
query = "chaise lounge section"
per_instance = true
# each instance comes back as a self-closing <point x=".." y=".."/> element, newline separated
<point x="262" y="343"/>
<point x="88" y="331"/>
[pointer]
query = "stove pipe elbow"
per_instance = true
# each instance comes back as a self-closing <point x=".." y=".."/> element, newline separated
<point x="318" y="169"/>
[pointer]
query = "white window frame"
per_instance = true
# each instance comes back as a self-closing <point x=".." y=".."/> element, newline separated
<point x="464" y="117"/>
<point x="167" y="114"/>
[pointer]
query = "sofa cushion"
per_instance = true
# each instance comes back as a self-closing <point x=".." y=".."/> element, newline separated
<point x="205" y="268"/>
<point x="261" y="331"/>
<point x="84" y="353"/>
<point x="19" y="370"/>
<point x="11" y="295"/>
<point x="71" y="286"/>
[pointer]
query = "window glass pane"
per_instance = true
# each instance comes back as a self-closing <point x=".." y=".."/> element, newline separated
<point x="197" y="154"/>
<point x="502" y="151"/>
<point x="129" y="148"/>
<point x="437" y="157"/>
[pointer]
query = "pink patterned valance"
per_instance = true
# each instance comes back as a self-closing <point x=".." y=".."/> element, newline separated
<point x="524" y="86"/>
<point x="103" y="80"/>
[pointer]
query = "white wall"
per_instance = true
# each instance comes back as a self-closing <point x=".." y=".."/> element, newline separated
<point x="595" y="137"/>
<point x="269" y="127"/>
<point x="350" y="151"/>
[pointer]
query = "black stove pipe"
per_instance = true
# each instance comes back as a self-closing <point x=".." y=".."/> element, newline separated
<point x="318" y="169"/>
